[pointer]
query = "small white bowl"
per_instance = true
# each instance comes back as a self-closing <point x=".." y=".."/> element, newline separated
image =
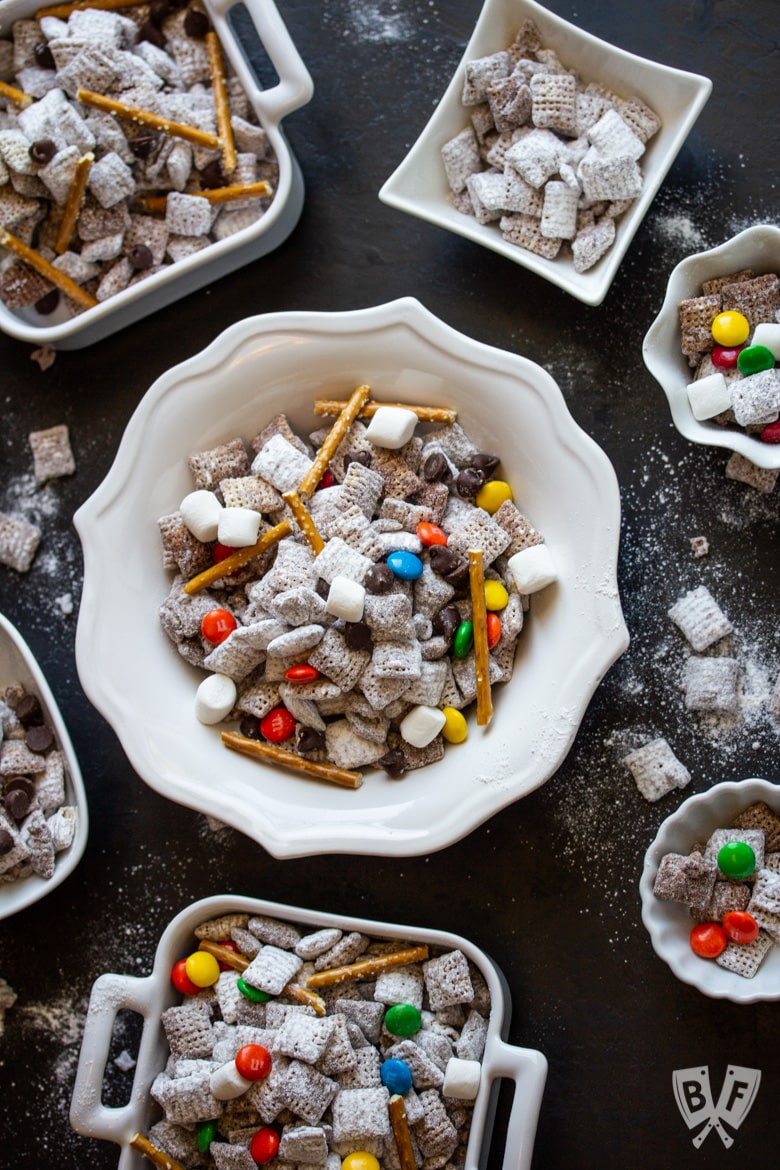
<point x="293" y="90"/>
<point x="18" y="665"/>
<point x="669" y="923"/>
<point x="757" y="248"/>
<point x="419" y="186"/>
<point x="150" y="996"/>
<point x="281" y="363"/>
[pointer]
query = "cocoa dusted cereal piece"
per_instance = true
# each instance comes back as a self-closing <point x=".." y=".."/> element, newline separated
<point x="52" y="453"/>
<point x="19" y="540"/>
<point x="688" y="879"/>
<point x="656" y="769"/>
<point x="700" y="618"/>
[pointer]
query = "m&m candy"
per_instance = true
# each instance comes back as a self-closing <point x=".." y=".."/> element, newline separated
<point x="730" y="328"/>
<point x="740" y="926"/>
<point x="736" y="860"/>
<point x="403" y="1019"/>
<point x="708" y="940"/>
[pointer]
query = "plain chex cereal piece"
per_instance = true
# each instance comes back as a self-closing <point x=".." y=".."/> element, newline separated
<point x="272" y="969"/>
<point x="524" y="231"/>
<point x="696" y="317"/>
<point x="700" y="618"/>
<point x="710" y="684"/>
<point x="19" y="540"/>
<point x="52" y="454"/>
<point x="745" y="958"/>
<point x="687" y="879"/>
<point x="656" y="769"/>
<point x="758" y="298"/>
<point x="447" y="980"/>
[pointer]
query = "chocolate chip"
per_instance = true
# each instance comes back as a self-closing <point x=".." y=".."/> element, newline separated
<point x="436" y="468"/>
<point x="443" y="559"/>
<point x="458" y="577"/>
<point x="310" y="740"/>
<point x="42" y="151"/>
<point x="446" y="621"/>
<point x="48" y="302"/>
<point x="39" y="739"/>
<point x="28" y="710"/>
<point x="469" y="481"/>
<point x="485" y="463"/>
<point x="23" y="783"/>
<point x="151" y="33"/>
<point x="357" y="636"/>
<point x="17" y="804"/>
<point x="379" y="579"/>
<point x="211" y="176"/>
<point x="394" y="763"/>
<point x="159" y="11"/>
<point x="44" y="56"/>
<point x="6" y="842"/>
<point x="141" y="257"/>
<point x="357" y="457"/>
<point x="143" y="146"/>
<point x="250" y="727"/>
<point x="196" y="24"/>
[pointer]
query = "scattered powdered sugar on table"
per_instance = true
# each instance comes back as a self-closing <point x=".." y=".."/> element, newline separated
<point x="382" y="21"/>
<point x="55" y="576"/>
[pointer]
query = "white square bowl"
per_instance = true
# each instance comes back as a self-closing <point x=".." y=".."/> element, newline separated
<point x="757" y="248"/>
<point x="419" y="186"/>
<point x="19" y="665"/>
<point x="294" y="89"/>
<point x="669" y="923"/>
<point x="280" y="363"/>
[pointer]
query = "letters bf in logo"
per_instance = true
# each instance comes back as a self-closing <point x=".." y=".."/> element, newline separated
<point x="694" y="1100"/>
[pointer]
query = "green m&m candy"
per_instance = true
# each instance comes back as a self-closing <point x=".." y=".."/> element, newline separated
<point x="403" y="1019"/>
<point x="463" y="640"/>
<point x="253" y="993"/>
<point x="736" y="859"/>
<point x="206" y="1132"/>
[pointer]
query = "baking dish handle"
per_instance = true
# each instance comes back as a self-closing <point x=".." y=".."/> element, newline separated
<point x="88" y="1115"/>
<point x="528" y="1069"/>
<point x="295" y="86"/>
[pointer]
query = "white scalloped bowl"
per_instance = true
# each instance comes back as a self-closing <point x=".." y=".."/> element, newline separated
<point x="669" y="923"/>
<point x="282" y="362"/>
<point x="19" y="665"/>
<point x="419" y="187"/>
<point x="293" y="90"/>
<point x="757" y="248"/>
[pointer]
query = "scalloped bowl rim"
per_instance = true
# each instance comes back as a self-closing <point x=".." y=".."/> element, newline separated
<point x="668" y="923"/>
<point x="666" y="361"/>
<point x="18" y="895"/>
<point x="580" y="620"/>
<point x="663" y="83"/>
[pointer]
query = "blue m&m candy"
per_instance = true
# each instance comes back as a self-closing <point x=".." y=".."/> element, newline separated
<point x="405" y="565"/>
<point x="396" y="1077"/>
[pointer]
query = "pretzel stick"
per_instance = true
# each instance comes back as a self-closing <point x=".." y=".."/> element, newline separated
<point x="403" y="1138"/>
<point x="224" y="954"/>
<point x="17" y="96"/>
<point x="221" y="105"/>
<point x="36" y="261"/>
<point x="154" y="1153"/>
<point x="239" y="558"/>
<point x="146" y="118"/>
<point x="346" y="416"/>
<point x="302" y="995"/>
<point x="479" y="624"/>
<point x="76" y="193"/>
<point x="440" y="414"/>
<point x="63" y="11"/>
<point x="365" y="968"/>
<point x="276" y="755"/>
<point x="304" y="520"/>
<point x="158" y="203"/>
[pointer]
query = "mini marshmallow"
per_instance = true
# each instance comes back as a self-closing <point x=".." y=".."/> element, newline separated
<point x="201" y="511"/>
<point x="461" y="1078"/>
<point x="421" y="726"/>
<point x="391" y="427"/>
<point x="214" y="698"/>
<point x="768" y="333"/>
<point x="346" y="599"/>
<point x="238" y="527"/>
<point x="226" y="1082"/>
<point x="532" y="568"/>
<point x="709" y="396"/>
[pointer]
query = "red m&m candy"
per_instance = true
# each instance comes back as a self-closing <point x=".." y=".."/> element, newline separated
<point x="216" y="625"/>
<point x="301" y="673"/>
<point x="253" y="1062"/>
<point x="725" y="357"/>
<point x="264" y="1145"/>
<point x="181" y="980"/>
<point x="431" y="534"/>
<point x="277" y="726"/>
<point x="493" y="630"/>
<point x="740" y="926"/>
<point x="708" y="940"/>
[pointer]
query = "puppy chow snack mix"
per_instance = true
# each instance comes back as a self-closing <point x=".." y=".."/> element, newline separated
<point x="550" y="158"/>
<point x="126" y="145"/>
<point x="373" y="588"/>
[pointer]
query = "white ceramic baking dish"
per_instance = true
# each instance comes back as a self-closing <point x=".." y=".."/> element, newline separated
<point x="293" y="90"/>
<point x="18" y="665"/>
<point x="151" y="995"/>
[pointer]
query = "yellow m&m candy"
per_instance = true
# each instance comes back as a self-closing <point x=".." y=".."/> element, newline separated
<point x="730" y="328"/>
<point x="492" y="495"/>
<point x="455" y="728"/>
<point x="202" y="969"/>
<point x="496" y="596"/>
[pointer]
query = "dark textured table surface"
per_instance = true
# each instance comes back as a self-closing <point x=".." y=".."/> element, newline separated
<point x="548" y="887"/>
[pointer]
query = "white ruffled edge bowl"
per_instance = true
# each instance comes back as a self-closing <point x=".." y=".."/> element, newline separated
<point x="294" y="89"/>
<point x="669" y="923"/>
<point x="281" y="363"/>
<point x="18" y="665"/>
<point x="757" y="248"/>
<point x="419" y="187"/>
